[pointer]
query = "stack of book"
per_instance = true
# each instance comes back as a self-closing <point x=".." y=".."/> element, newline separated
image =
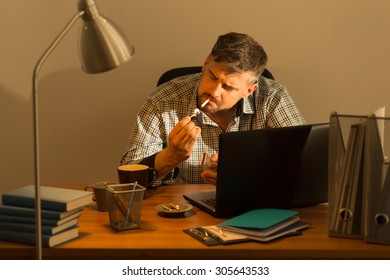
<point x="262" y="225"/>
<point x="61" y="209"/>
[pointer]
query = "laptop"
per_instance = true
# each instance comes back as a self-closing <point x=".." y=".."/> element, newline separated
<point x="283" y="167"/>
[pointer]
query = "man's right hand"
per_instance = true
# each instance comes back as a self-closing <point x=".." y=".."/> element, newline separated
<point x="181" y="141"/>
<point x="210" y="174"/>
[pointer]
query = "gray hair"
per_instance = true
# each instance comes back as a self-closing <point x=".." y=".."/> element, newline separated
<point x="240" y="53"/>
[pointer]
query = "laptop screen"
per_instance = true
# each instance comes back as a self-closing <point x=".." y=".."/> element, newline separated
<point x="277" y="167"/>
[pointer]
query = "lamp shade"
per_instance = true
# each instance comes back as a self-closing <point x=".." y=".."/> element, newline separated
<point x="102" y="46"/>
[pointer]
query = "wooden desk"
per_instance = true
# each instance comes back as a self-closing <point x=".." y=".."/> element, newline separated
<point x="163" y="238"/>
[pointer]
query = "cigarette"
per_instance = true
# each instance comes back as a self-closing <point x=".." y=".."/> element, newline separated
<point x="204" y="103"/>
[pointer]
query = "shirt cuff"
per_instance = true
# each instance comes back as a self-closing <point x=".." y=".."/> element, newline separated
<point x="149" y="161"/>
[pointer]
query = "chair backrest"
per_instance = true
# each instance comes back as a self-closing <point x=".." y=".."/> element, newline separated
<point x="182" y="71"/>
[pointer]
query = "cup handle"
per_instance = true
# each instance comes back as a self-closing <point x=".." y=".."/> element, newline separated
<point x="87" y="189"/>
<point x="152" y="177"/>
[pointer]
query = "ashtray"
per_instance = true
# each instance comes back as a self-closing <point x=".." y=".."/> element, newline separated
<point x="173" y="207"/>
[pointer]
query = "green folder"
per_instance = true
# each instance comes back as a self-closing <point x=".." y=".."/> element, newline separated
<point x="260" y="218"/>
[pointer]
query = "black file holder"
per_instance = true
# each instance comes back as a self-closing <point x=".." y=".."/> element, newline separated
<point x="377" y="181"/>
<point x="346" y="165"/>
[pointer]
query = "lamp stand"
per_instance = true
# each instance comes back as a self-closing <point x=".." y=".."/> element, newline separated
<point x="38" y="220"/>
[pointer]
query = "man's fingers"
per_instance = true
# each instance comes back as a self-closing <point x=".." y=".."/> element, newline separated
<point x="180" y="125"/>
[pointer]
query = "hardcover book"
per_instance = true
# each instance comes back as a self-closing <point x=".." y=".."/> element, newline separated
<point x="56" y="199"/>
<point x="30" y="212"/>
<point x="48" y="230"/>
<point x="31" y="220"/>
<point x="47" y="240"/>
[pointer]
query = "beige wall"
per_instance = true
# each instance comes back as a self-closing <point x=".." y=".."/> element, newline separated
<point x="331" y="54"/>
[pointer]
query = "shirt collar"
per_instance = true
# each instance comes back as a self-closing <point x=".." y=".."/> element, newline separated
<point x="246" y="106"/>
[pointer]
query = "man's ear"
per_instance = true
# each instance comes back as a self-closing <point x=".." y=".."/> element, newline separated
<point x="251" y="89"/>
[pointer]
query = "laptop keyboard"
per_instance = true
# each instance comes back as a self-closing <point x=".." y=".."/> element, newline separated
<point x="210" y="201"/>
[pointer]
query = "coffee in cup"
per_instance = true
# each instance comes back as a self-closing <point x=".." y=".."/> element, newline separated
<point x="140" y="173"/>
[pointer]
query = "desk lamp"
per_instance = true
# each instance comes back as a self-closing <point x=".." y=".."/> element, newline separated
<point x="101" y="48"/>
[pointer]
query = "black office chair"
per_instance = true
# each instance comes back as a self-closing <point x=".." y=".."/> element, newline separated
<point x="182" y="71"/>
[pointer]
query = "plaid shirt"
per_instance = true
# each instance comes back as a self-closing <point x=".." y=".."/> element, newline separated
<point x="269" y="106"/>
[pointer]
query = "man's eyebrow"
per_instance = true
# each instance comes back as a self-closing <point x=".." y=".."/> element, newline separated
<point x="214" y="76"/>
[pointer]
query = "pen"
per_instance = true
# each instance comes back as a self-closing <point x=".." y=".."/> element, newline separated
<point x="130" y="203"/>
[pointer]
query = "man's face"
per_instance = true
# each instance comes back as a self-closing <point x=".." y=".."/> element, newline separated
<point x="225" y="90"/>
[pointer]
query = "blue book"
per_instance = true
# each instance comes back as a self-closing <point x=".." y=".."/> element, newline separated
<point x="47" y="240"/>
<point x="46" y="229"/>
<point x="55" y="199"/>
<point x="30" y="212"/>
<point x="31" y="220"/>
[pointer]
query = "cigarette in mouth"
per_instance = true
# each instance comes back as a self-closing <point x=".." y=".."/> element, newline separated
<point x="204" y="103"/>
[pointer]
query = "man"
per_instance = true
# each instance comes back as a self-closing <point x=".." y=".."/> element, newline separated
<point x="167" y="138"/>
